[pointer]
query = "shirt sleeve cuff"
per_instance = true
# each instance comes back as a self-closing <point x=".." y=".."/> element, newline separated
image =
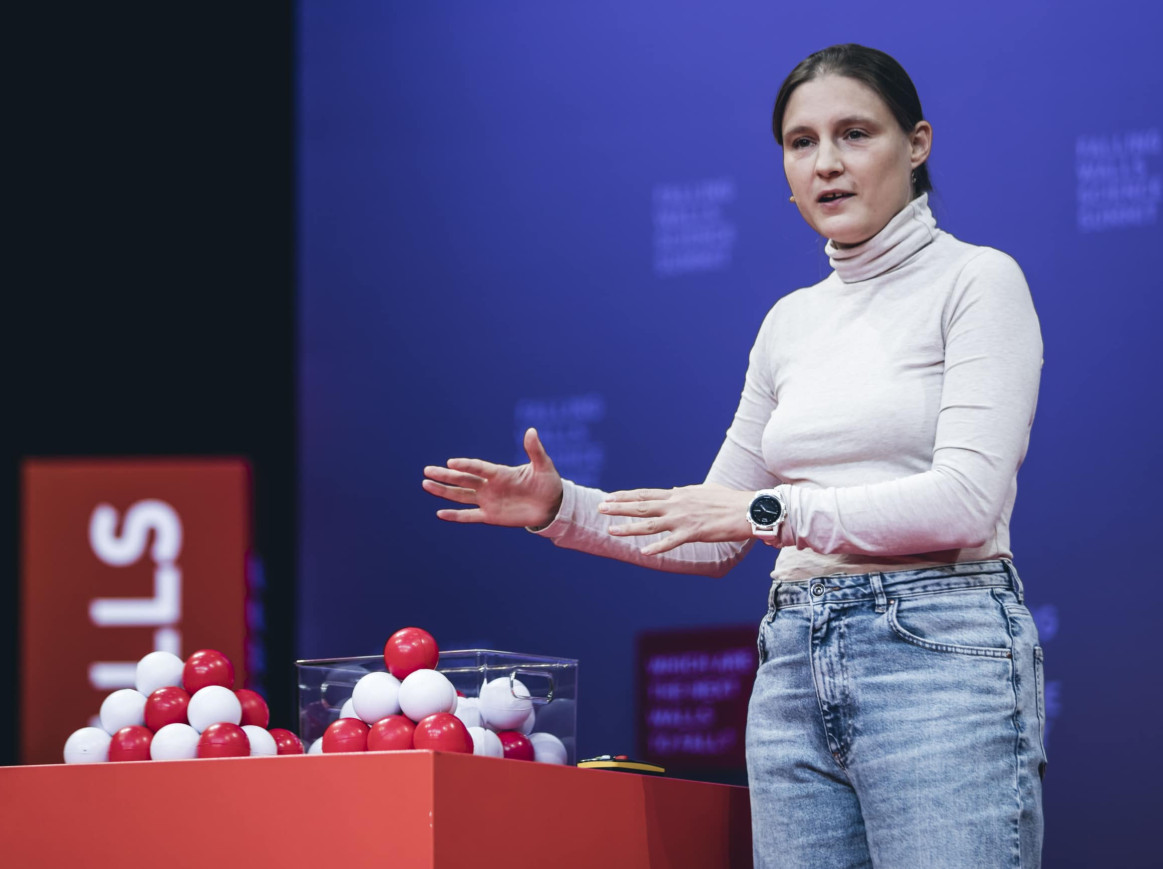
<point x="561" y="522"/>
<point x="787" y="534"/>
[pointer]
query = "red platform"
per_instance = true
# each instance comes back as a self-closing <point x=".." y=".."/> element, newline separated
<point x="402" y="809"/>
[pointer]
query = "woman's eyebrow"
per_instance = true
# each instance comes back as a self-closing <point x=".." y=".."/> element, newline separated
<point x="857" y="121"/>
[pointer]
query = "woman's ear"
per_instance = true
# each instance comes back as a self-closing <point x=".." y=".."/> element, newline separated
<point x="920" y="143"/>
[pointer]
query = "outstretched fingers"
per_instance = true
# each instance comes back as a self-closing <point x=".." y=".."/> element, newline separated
<point x="640" y="495"/>
<point x="452" y="477"/>
<point x="637" y="529"/>
<point x="476" y="467"/>
<point x="451" y="493"/>
<point x="669" y="539"/>
<point x="468" y="516"/>
<point x="667" y="543"/>
<point x="626" y="507"/>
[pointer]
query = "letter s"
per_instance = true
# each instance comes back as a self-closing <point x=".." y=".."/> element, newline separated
<point x="139" y="520"/>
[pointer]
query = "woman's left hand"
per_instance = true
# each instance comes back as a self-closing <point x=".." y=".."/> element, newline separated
<point x="706" y="513"/>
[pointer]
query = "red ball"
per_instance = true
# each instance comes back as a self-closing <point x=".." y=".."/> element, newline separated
<point x="254" y="708"/>
<point x="409" y="650"/>
<point x="207" y="667"/>
<point x="166" y="706"/>
<point x="345" y="734"/>
<point x="286" y="742"/>
<point x="223" y="740"/>
<point x="393" y="733"/>
<point x="130" y="743"/>
<point x="516" y="745"/>
<point x="445" y="732"/>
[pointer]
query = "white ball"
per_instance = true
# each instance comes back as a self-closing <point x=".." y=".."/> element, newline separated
<point x="174" y="742"/>
<point x="529" y="723"/>
<point x="87" y="745"/>
<point x="316" y="747"/>
<point x="348" y="709"/>
<point x="547" y="748"/>
<point x="376" y="696"/>
<point x="468" y="710"/>
<point x="486" y="743"/>
<point x="426" y="692"/>
<point x="504" y="707"/>
<point x="262" y="744"/>
<point x="158" y="670"/>
<point x="121" y="709"/>
<point x="213" y="704"/>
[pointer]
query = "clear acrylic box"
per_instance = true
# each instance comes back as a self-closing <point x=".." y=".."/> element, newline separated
<point x="326" y="684"/>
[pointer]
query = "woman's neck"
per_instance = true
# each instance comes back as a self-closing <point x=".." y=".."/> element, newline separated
<point x="911" y="229"/>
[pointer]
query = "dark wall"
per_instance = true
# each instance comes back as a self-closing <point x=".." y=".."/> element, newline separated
<point x="151" y="298"/>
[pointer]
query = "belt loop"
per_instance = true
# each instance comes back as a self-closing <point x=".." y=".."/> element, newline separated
<point x="1014" y="580"/>
<point x="877" y="581"/>
<point x="773" y="598"/>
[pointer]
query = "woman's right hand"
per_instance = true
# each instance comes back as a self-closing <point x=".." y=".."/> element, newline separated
<point x="525" y="496"/>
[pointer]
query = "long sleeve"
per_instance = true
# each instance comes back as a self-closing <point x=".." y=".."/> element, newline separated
<point x="992" y="365"/>
<point x="580" y="526"/>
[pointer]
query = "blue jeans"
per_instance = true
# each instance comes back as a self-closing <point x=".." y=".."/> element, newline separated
<point x="896" y="722"/>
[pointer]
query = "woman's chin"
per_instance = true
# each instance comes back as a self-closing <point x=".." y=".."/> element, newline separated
<point x="846" y="232"/>
<point x="848" y="239"/>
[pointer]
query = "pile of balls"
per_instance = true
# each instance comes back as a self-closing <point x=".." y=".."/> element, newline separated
<point x="181" y="710"/>
<point x="415" y="706"/>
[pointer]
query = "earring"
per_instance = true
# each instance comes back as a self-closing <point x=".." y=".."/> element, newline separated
<point x="791" y="199"/>
<point x="914" y="177"/>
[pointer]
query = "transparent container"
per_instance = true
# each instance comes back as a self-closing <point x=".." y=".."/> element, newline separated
<point x="326" y="684"/>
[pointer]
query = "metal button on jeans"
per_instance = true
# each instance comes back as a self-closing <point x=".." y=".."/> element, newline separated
<point x="817" y="590"/>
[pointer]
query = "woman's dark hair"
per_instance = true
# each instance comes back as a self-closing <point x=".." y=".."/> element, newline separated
<point x="874" y="68"/>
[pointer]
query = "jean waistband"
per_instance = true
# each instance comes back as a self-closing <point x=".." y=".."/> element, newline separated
<point x="842" y="587"/>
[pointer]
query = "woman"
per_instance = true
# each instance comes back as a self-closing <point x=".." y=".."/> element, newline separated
<point x="897" y="712"/>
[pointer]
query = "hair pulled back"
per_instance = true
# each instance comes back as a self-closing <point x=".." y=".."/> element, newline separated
<point x="877" y="70"/>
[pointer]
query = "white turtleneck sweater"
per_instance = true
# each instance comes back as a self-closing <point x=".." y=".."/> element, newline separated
<point x="890" y="404"/>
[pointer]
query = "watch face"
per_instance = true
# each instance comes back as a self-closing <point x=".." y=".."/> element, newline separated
<point x="766" y="510"/>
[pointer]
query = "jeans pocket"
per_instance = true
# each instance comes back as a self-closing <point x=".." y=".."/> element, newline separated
<point x="761" y="643"/>
<point x="1040" y="690"/>
<point x="964" y="623"/>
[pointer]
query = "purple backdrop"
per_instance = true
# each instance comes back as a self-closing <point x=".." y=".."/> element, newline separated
<point x="519" y="213"/>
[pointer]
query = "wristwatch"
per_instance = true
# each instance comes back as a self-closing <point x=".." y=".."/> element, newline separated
<point x="766" y="513"/>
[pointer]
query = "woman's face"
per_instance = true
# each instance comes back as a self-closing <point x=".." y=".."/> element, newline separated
<point x="846" y="158"/>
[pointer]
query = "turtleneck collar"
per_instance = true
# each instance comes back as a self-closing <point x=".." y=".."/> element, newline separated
<point x="910" y="230"/>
